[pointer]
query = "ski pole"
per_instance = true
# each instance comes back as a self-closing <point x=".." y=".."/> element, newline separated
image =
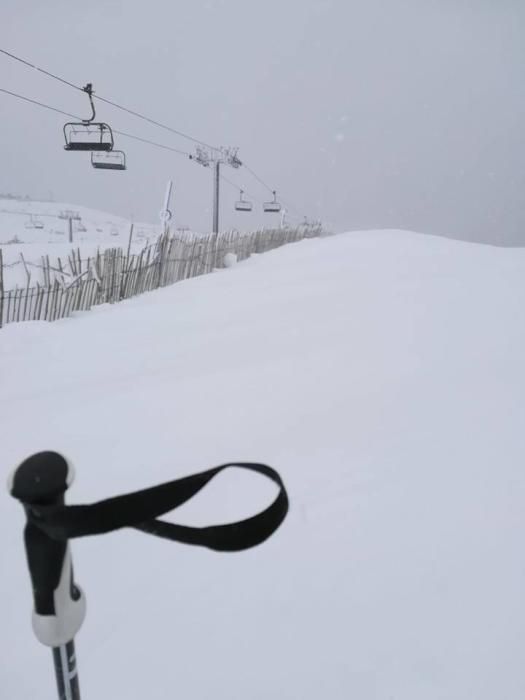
<point x="40" y="483"/>
<point x="59" y="604"/>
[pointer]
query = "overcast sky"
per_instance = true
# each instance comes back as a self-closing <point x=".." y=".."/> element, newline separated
<point x="364" y="113"/>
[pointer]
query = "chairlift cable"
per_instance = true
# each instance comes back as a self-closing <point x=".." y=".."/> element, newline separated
<point x="41" y="70"/>
<point x="237" y="187"/>
<point x="74" y="116"/>
<point x="152" y="143"/>
<point x="129" y="111"/>
<point x="270" y="189"/>
<point x="153" y="121"/>
<point x="103" y="99"/>
<point x="40" y="104"/>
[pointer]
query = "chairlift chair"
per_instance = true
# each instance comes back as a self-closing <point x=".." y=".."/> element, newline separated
<point x="242" y="204"/>
<point x="108" y="160"/>
<point x="34" y="222"/>
<point x="88" y="135"/>
<point x="272" y="207"/>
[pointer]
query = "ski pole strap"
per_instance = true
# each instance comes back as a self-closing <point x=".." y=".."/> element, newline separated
<point x="140" y="510"/>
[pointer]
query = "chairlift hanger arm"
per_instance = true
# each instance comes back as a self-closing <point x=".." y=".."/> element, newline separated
<point x="79" y="119"/>
<point x="103" y="99"/>
<point x="236" y="162"/>
<point x="88" y="89"/>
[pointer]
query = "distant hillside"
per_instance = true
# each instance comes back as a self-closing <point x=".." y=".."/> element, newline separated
<point x="27" y="221"/>
<point x="35" y="229"/>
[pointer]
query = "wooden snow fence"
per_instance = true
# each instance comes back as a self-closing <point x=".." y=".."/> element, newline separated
<point x="114" y="275"/>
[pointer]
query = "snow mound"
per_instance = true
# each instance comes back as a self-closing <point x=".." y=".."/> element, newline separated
<point x="382" y="374"/>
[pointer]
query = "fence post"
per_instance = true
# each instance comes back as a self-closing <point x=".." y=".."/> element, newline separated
<point x="130" y="237"/>
<point x="216" y="203"/>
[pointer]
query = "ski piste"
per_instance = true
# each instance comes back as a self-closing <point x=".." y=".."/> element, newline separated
<point x="40" y="483"/>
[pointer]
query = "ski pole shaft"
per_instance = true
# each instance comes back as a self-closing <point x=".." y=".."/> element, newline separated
<point x="66" y="671"/>
<point x="59" y="604"/>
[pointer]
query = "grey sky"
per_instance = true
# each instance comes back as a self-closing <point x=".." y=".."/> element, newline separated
<point x="369" y="113"/>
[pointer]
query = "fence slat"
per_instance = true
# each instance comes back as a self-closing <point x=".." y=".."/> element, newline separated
<point x="115" y="275"/>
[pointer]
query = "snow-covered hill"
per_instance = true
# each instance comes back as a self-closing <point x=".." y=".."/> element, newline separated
<point x="37" y="228"/>
<point x="382" y="374"/>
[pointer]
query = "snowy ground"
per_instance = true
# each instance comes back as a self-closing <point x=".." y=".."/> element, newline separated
<point x="383" y="375"/>
<point x="95" y="229"/>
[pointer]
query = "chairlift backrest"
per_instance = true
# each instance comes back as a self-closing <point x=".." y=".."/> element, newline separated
<point x="108" y="160"/>
<point x="88" y="137"/>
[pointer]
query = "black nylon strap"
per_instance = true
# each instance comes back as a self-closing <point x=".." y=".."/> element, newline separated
<point x="140" y="509"/>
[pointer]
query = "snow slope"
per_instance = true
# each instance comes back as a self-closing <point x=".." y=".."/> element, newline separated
<point x="95" y="229"/>
<point x="382" y="374"/>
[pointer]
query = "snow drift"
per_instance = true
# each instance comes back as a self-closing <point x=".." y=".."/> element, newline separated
<point x="382" y="374"/>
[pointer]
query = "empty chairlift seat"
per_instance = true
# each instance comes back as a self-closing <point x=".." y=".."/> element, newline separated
<point x="34" y="222"/>
<point x="242" y="204"/>
<point x="108" y="160"/>
<point x="273" y="206"/>
<point x="95" y="136"/>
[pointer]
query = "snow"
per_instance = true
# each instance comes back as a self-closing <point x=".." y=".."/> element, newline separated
<point x="382" y="374"/>
<point x="18" y="235"/>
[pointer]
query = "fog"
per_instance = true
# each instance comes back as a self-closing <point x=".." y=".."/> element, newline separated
<point x="365" y="114"/>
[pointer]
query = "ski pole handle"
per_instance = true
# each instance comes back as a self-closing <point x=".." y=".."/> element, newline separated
<point x="59" y="604"/>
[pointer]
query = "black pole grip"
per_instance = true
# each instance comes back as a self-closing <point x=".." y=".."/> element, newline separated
<point x="59" y="605"/>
